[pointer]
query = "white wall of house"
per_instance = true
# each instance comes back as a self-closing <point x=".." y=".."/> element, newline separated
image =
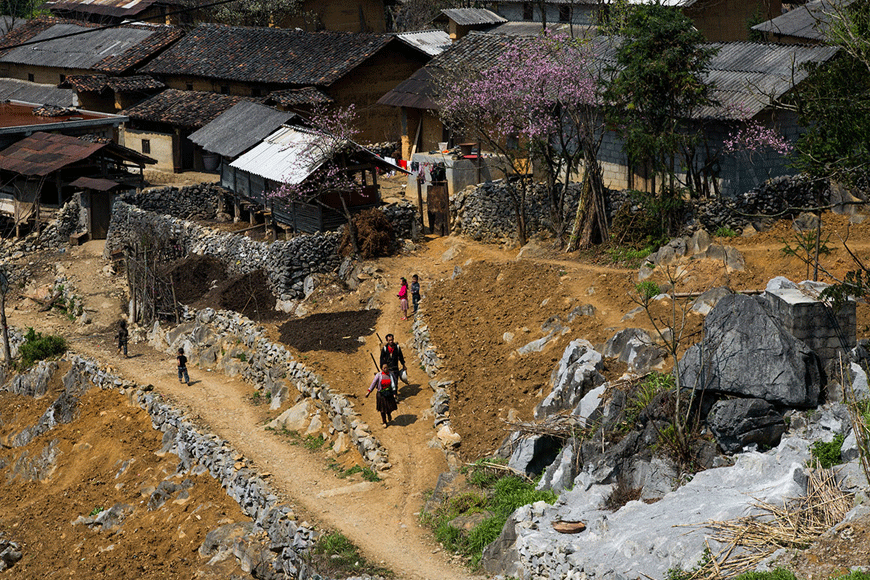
<point x="159" y="146"/>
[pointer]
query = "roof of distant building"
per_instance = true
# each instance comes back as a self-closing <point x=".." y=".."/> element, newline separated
<point x="43" y="153"/>
<point x="99" y="83"/>
<point x="108" y="50"/>
<point x="239" y="128"/>
<point x="299" y="97"/>
<point x="807" y="22"/>
<point x="472" y="16"/>
<point x="432" y="42"/>
<point x="268" y="55"/>
<point x="17" y="90"/>
<point x="117" y="8"/>
<point x="192" y="109"/>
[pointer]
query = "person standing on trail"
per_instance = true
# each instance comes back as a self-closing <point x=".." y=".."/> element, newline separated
<point x="386" y="398"/>
<point x="391" y="357"/>
<point x="123" y="336"/>
<point x="182" y="367"/>
<point x="403" y="298"/>
<point x="415" y="292"/>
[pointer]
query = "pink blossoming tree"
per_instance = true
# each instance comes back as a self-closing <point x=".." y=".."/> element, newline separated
<point x="537" y="101"/>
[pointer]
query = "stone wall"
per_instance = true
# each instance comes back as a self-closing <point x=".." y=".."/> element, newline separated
<point x="287" y="542"/>
<point x="233" y="344"/>
<point x="200" y="202"/>
<point x="286" y="263"/>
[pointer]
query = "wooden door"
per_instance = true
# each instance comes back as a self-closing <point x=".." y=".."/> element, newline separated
<point x="438" y="202"/>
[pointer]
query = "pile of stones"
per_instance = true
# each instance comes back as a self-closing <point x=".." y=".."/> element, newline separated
<point x="194" y="202"/>
<point x="485" y="212"/>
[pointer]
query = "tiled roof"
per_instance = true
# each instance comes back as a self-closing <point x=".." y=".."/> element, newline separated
<point x="295" y="97"/>
<point x="99" y="83"/>
<point x="108" y="50"/>
<point x="190" y="109"/>
<point x="268" y="55"/>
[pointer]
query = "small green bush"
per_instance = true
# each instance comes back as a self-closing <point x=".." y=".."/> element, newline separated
<point x="653" y="384"/>
<point x="725" y="232"/>
<point x="370" y="474"/>
<point x="647" y="290"/>
<point x="314" y="443"/>
<point x="337" y="556"/>
<point x="855" y="575"/>
<point x="778" y="574"/>
<point x="37" y="347"/>
<point x="828" y="454"/>
<point x="630" y="257"/>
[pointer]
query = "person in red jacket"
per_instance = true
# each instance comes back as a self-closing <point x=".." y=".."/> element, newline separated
<point x="386" y="398"/>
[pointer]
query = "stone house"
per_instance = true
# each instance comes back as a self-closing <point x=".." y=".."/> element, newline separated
<point x="349" y="68"/>
<point x="69" y="48"/>
<point x="718" y="20"/>
<point x="160" y="127"/>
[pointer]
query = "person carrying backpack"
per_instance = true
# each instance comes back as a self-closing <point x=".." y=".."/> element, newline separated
<point x="391" y="355"/>
<point x="386" y="398"/>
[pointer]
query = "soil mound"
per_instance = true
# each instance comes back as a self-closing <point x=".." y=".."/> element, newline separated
<point x="374" y="234"/>
<point x="194" y="276"/>
<point x="332" y="331"/>
<point x="249" y="294"/>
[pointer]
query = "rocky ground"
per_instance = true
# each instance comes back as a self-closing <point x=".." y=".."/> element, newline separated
<point x="481" y="303"/>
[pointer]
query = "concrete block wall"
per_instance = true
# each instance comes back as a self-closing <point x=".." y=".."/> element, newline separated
<point x="815" y="323"/>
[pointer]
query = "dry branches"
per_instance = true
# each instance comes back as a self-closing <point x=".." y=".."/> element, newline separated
<point x="748" y="540"/>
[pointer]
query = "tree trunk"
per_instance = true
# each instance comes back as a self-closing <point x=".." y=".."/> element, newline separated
<point x="351" y="228"/>
<point x="585" y="189"/>
<point x="7" y="351"/>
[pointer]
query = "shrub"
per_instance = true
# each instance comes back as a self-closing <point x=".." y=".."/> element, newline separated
<point x="828" y="454"/>
<point x="337" y="556"/>
<point x="37" y="347"/>
<point x="778" y="574"/>
<point x="725" y="232"/>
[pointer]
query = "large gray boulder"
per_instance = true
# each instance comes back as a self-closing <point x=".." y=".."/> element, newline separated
<point x="635" y="347"/>
<point x="576" y="374"/>
<point x="737" y="423"/>
<point x="746" y="352"/>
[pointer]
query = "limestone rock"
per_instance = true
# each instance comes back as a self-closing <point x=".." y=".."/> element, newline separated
<point x="295" y="418"/>
<point x="737" y="423"/>
<point x="745" y="352"/>
<point x="636" y="348"/>
<point x="576" y="373"/>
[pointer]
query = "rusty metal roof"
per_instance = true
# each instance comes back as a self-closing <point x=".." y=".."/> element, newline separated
<point x="95" y="184"/>
<point x="44" y="153"/>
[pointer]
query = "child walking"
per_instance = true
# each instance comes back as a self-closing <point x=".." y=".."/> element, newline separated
<point x="415" y="292"/>
<point x="403" y="299"/>
<point x="182" y="367"/>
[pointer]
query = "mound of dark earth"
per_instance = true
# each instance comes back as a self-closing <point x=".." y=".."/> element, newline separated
<point x="332" y="331"/>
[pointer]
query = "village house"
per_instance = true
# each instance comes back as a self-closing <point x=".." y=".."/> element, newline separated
<point x="68" y="48"/>
<point x="460" y="21"/>
<point x="718" y="20"/>
<point x="348" y="68"/>
<point x="294" y="155"/>
<point x="748" y="80"/>
<point x="46" y="169"/>
<point x="109" y="93"/>
<point x="160" y="127"/>
<point x="16" y="90"/>
<point x="804" y="24"/>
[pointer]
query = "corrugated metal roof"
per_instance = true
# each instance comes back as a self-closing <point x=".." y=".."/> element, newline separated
<point x="239" y="128"/>
<point x="15" y="90"/>
<point x="83" y="51"/>
<point x="536" y="28"/>
<point x="289" y="155"/>
<point x="95" y="183"/>
<point x="429" y="41"/>
<point x="472" y="16"/>
<point x="120" y="8"/>
<point x="809" y="21"/>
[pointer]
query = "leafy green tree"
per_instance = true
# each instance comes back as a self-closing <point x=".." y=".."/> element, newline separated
<point x="655" y="85"/>
<point x="834" y="102"/>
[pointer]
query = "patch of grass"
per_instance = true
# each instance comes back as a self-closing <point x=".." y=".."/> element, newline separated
<point x="242" y="357"/>
<point x="725" y="232"/>
<point x="828" y="454"/>
<point x="653" y="384"/>
<point x="370" y="474"/>
<point x="778" y="574"/>
<point x="647" y="290"/>
<point x="336" y="556"/>
<point x="37" y="347"/>
<point x="854" y="575"/>
<point x="312" y="443"/>
<point x="630" y="257"/>
<point x="97" y="510"/>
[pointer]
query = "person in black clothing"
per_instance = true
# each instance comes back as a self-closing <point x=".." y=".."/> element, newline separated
<point x="182" y="367"/>
<point x="391" y="355"/>
<point x="123" y="337"/>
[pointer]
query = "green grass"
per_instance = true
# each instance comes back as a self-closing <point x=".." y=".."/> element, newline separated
<point x="37" y="347"/>
<point x="630" y="257"/>
<point x="96" y="511"/>
<point x="336" y="556"/>
<point x="828" y="454"/>
<point x="370" y="474"/>
<point x="725" y="232"/>
<point x="506" y="495"/>
<point x="778" y="574"/>
<point x="642" y="396"/>
<point x="312" y="443"/>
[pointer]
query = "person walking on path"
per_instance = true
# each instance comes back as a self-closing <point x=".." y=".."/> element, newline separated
<point x="182" y="367"/>
<point x="392" y="357"/>
<point x="386" y="397"/>
<point x="403" y="298"/>
<point x="123" y="337"/>
<point x="415" y="292"/>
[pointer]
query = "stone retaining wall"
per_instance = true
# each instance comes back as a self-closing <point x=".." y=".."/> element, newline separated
<point x="287" y="540"/>
<point x="229" y="342"/>
<point x="286" y="263"/>
<point x="201" y="202"/>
